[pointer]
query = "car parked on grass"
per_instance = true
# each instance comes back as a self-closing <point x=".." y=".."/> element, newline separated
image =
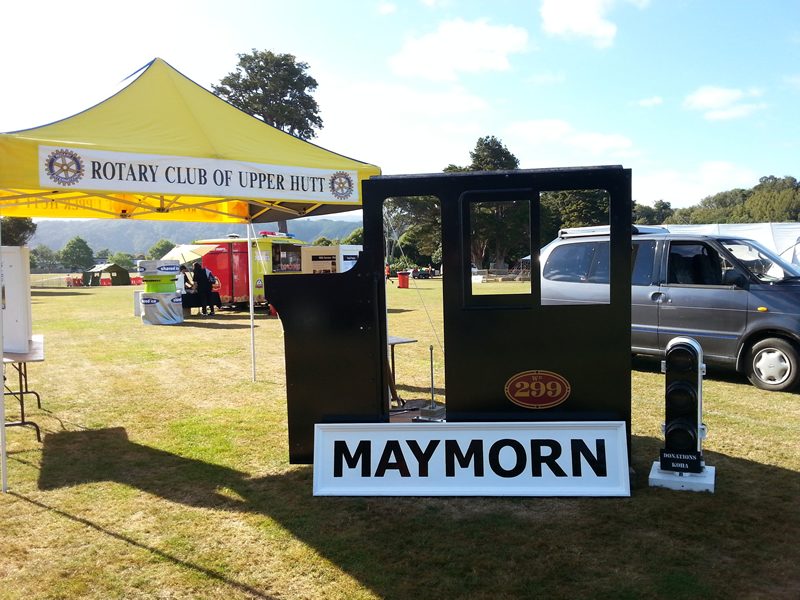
<point x="740" y="301"/>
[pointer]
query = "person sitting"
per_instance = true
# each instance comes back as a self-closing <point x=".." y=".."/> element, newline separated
<point x="184" y="283"/>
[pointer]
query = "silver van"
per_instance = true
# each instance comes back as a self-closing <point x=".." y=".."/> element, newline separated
<point x="735" y="297"/>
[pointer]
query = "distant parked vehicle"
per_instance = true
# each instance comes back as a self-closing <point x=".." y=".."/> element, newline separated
<point x="740" y="301"/>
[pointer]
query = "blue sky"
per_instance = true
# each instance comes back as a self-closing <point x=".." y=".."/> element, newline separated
<point x="695" y="96"/>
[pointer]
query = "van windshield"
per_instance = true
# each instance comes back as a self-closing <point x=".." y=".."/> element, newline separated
<point x="762" y="263"/>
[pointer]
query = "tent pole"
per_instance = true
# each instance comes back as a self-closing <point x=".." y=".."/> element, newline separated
<point x="3" y="458"/>
<point x="248" y="226"/>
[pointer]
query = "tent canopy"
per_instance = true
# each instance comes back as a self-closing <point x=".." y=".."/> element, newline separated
<point x="165" y="148"/>
<point x="119" y="276"/>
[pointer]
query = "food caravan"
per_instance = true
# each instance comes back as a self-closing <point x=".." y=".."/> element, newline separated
<point x="272" y="253"/>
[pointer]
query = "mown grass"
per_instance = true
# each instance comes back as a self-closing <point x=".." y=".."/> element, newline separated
<point x="164" y="474"/>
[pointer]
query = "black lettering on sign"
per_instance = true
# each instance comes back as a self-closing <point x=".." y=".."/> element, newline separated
<point x="453" y="453"/>
<point x="596" y="461"/>
<point x="391" y="451"/>
<point x="341" y="454"/>
<point x="519" y="454"/>
<point x="423" y="456"/>
<point x="538" y="459"/>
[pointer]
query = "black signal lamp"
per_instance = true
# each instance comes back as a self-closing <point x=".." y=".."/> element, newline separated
<point x="681" y="465"/>
<point x="683" y="404"/>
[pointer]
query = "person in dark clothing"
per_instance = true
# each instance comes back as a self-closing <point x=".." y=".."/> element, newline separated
<point x="202" y="284"/>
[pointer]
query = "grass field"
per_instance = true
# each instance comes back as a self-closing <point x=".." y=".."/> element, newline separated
<point x="163" y="473"/>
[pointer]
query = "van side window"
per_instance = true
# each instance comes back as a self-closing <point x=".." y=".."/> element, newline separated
<point x="644" y="253"/>
<point x="579" y="262"/>
<point x="690" y="263"/>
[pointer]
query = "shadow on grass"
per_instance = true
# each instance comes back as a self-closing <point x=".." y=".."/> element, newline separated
<point x="417" y="389"/>
<point x="657" y="544"/>
<point x="155" y="551"/>
<point x="48" y="293"/>
<point x="211" y="322"/>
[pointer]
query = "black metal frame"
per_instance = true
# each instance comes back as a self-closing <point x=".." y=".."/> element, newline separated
<point x="335" y="324"/>
<point x="22" y="372"/>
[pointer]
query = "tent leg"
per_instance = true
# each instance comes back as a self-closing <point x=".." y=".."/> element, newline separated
<point x="3" y="458"/>
<point x="252" y="303"/>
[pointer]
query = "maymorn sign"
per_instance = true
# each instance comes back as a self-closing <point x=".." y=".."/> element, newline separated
<point x="471" y="459"/>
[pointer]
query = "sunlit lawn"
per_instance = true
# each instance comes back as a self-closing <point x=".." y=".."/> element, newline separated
<point x="164" y="474"/>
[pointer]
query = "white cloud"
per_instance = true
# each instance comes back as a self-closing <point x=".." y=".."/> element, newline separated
<point x="43" y="93"/>
<point x="734" y="112"/>
<point x="712" y="97"/>
<point x="579" y="18"/>
<point x="557" y="143"/>
<point x="554" y="143"/>
<point x="687" y="188"/>
<point x="650" y="102"/>
<point x="582" y="19"/>
<point x="459" y="46"/>
<point x="548" y="78"/>
<point x="718" y="103"/>
<point x="386" y="8"/>
<point x="400" y="128"/>
<point x="792" y="81"/>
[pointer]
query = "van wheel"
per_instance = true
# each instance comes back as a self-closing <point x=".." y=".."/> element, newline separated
<point x="772" y="364"/>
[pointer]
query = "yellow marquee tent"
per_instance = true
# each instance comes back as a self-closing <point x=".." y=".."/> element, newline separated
<point x="164" y="148"/>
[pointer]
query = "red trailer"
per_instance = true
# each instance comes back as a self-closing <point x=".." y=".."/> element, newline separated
<point x="272" y="253"/>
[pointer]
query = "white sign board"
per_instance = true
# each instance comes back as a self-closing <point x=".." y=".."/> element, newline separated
<point x="471" y="459"/>
<point x="102" y="170"/>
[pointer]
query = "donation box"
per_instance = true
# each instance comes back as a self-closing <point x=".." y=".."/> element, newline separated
<point x="160" y="304"/>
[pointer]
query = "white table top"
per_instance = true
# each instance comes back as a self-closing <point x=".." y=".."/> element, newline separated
<point x="391" y="340"/>
<point x="35" y="352"/>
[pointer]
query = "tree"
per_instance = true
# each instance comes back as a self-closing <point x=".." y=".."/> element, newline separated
<point x="123" y="259"/>
<point x="652" y="215"/>
<point x="774" y="200"/>
<point x="16" y="231"/>
<point x="682" y="216"/>
<point x="276" y="89"/>
<point x="103" y="254"/>
<point x="421" y="213"/>
<point x="322" y="241"/>
<point x="491" y="155"/>
<point x="410" y="248"/>
<point x="45" y="259"/>
<point x="355" y="238"/>
<point x="77" y="255"/>
<point x="500" y="231"/>
<point x="159" y="249"/>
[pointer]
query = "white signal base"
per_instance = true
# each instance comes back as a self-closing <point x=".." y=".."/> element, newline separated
<point x="692" y="482"/>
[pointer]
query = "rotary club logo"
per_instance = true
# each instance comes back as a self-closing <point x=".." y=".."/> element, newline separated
<point x="64" y="167"/>
<point x="341" y="185"/>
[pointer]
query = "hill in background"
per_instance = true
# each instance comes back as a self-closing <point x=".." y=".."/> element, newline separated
<point x="137" y="237"/>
